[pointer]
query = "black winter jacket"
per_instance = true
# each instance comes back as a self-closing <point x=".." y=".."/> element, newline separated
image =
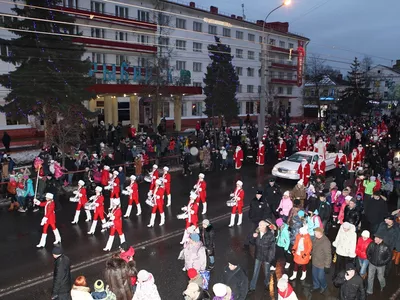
<point x="259" y="210"/>
<point x="324" y="210"/>
<point x="390" y="235"/>
<point x="238" y="282"/>
<point x="265" y="247"/>
<point x="352" y="289"/>
<point x="378" y="255"/>
<point x="353" y="216"/>
<point x="207" y="238"/>
<point x="273" y="195"/>
<point x="62" y="282"/>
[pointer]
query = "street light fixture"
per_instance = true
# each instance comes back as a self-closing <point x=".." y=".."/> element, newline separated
<point x="264" y="73"/>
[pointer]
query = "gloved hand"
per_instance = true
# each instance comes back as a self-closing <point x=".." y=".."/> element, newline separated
<point x="97" y="205"/>
<point x="36" y="201"/>
<point x="44" y="221"/>
<point x="112" y="218"/>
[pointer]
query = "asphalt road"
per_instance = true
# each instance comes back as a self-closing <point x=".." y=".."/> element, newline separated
<point x="26" y="272"/>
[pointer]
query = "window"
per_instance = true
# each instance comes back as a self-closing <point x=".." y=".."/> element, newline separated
<point x="289" y="90"/>
<point x="163" y="19"/>
<point x="143" y="16"/>
<point x="71" y="3"/>
<point x="180" y="65"/>
<point x="98" y="58"/>
<point x="260" y="39"/>
<point x="259" y="89"/>
<point x="197" y="108"/>
<point x="164" y="41"/>
<point x="272" y="74"/>
<point x="289" y="76"/>
<point x="165" y="109"/>
<point x="197" y="84"/>
<point x="251" y="37"/>
<point x="226" y="32"/>
<point x="123" y="111"/>
<point x="180" y="23"/>
<point x="249" y="107"/>
<point x="197" y="47"/>
<point x="289" y="107"/>
<point x="119" y="59"/>
<point x="272" y="42"/>
<point x="143" y="39"/>
<point x="4" y="50"/>
<point x="121" y="11"/>
<point x="280" y="75"/>
<point x="239" y="71"/>
<point x="239" y="88"/>
<point x="143" y="62"/>
<point x="291" y="46"/>
<point x="280" y="90"/>
<point x="250" y="72"/>
<point x="281" y="59"/>
<point x="282" y="44"/>
<point x="74" y="30"/>
<point x="197" y="26"/>
<point x="98" y="33"/>
<point x="250" y="88"/>
<point x="184" y="110"/>
<point x="239" y="53"/>
<point x="239" y="35"/>
<point x="212" y="29"/>
<point x="97" y="7"/>
<point x="196" y="67"/>
<point x="121" y="36"/>
<point x="250" y="54"/>
<point x="180" y="45"/>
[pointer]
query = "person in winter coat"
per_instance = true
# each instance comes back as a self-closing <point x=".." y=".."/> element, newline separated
<point x="235" y="278"/>
<point x="321" y="260"/>
<point x="194" y="292"/>
<point x="207" y="234"/>
<point x="378" y="255"/>
<point x="272" y="194"/>
<point x="285" y="290"/>
<point x="80" y="290"/>
<point x="375" y="210"/>
<point x="324" y="210"/>
<point x="100" y="293"/>
<point x="313" y="221"/>
<point x="389" y="230"/>
<point x="118" y="268"/>
<point x="195" y="254"/>
<point x="299" y="192"/>
<point x="62" y="281"/>
<point x="352" y="213"/>
<point x="146" y="288"/>
<point x="343" y="207"/>
<point x="301" y="253"/>
<point x="361" y="251"/>
<point x="222" y="292"/>
<point x="345" y="244"/>
<point x="285" y="206"/>
<point x="298" y="221"/>
<point x="282" y="244"/>
<point x="350" y="284"/>
<point x="195" y="277"/>
<point x="6" y="140"/>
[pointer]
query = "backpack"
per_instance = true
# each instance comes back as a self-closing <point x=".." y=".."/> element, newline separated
<point x="206" y="278"/>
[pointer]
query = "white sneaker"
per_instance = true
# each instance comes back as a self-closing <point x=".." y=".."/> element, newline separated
<point x="272" y="268"/>
<point x="287" y="265"/>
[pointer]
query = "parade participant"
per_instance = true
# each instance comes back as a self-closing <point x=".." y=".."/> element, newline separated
<point x="320" y="147"/>
<point x="281" y="149"/>
<point x="115" y="185"/>
<point x="200" y="190"/>
<point x="238" y="196"/>
<point x="302" y="143"/>
<point x="48" y="219"/>
<point x="115" y="216"/>
<point x="166" y="179"/>
<point x="158" y="196"/>
<point x="192" y="211"/>
<point x="238" y="158"/>
<point x="260" y="154"/>
<point x="310" y="143"/>
<point x="105" y="176"/>
<point x="81" y="194"/>
<point x="361" y="153"/>
<point x="133" y="192"/>
<point x="320" y="166"/>
<point x="98" y="199"/>
<point x="154" y="176"/>
<point x="304" y="171"/>
<point x="340" y="157"/>
<point x="353" y="161"/>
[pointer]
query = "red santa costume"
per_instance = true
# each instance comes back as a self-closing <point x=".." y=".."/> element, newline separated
<point x="260" y="154"/>
<point x="116" y="218"/>
<point x="361" y="153"/>
<point x="105" y="176"/>
<point x="200" y="189"/>
<point x="98" y="199"/>
<point x="340" y="157"/>
<point x="237" y="195"/>
<point x="158" y="194"/>
<point x="238" y="158"/>
<point x="154" y="177"/>
<point x="133" y="131"/>
<point x="49" y="219"/>
<point x="353" y="160"/>
<point x="81" y="193"/>
<point x="302" y="143"/>
<point x="304" y="171"/>
<point x="133" y="192"/>
<point x="320" y="148"/>
<point x="310" y="143"/>
<point x="281" y="149"/>
<point x="115" y="185"/>
<point x="320" y="166"/>
<point x="192" y="209"/>
<point x="166" y="179"/>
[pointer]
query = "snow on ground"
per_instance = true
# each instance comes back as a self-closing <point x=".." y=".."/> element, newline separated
<point x="25" y="157"/>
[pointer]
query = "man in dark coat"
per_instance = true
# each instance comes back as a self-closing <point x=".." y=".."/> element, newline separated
<point x="207" y="238"/>
<point x="376" y="210"/>
<point x="234" y="277"/>
<point x="340" y="175"/>
<point x="273" y="194"/>
<point x="62" y="282"/>
<point x="6" y="141"/>
<point x="350" y="283"/>
<point x="352" y="213"/>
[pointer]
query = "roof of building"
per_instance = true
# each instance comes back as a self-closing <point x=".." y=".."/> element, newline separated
<point x="396" y="70"/>
<point x="327" y="81"/>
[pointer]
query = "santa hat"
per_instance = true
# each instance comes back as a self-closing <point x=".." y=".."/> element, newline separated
<point x="155" y="166"/>
<point x="49" y="196"/>
<point x="81" y="183"/>
<point x="201" y="175"/>
<point x="116" y="173"/>
<point x="166" y="169"/>
<point x="283" y="282"/>
<point x="107" y="168"/>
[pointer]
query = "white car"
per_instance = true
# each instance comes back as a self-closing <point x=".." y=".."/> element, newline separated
<point x="288" y="168"/>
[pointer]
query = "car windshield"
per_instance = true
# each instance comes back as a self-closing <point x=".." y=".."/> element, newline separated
<point x="299" y="157"/>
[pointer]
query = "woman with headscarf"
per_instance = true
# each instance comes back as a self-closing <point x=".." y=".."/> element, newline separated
<point x="118" y="278"/>
<point x="146" y="288"/>
<point x="195" y="254"/>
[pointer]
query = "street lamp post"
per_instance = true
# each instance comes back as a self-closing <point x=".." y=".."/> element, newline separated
<point x="264" y="74"/>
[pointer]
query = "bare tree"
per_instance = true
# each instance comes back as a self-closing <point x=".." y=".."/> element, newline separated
<point x="315" y="72"/>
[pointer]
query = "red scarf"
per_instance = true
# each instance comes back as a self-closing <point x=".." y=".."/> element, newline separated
<point x="287" y="292"/>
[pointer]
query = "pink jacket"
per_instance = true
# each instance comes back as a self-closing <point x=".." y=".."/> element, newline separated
<point x="341" y="212"/>
<point x="286" y="205"/>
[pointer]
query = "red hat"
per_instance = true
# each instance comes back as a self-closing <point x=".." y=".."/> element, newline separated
<point x="192" y="273"/>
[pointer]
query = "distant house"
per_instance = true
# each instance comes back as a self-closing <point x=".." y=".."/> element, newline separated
<point x="383" y="82"/>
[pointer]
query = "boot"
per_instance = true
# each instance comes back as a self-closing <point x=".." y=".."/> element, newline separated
<point x="162" y="219"/>
<point x="204" y="208"/>
<point x="93" y="227"/>
<point x="88" y="216"/>
<point x="57" y="236"/>
<point x="11" y="208"/>
<point x="128" y="211"/>
<point x="76" y="218"/>
<point x="169" y="200"/>
<point x="152" y="219"/>
<point x="240" y="219"/>
<point x="42" y="242"/>
<point x="303" y="275"/>
<point x="293" y="277"/>
<point x="102" y="222"/>
<point x="184" y="237"/>
<point x="139" y="209"/>
<point x="122" y="238"/>
<point x="109" y="243"/>
<point x="232" y="220"/>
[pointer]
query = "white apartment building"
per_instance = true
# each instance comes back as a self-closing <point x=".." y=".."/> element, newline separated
<point x="124" y="39"/>
<point x="383" y="81"/>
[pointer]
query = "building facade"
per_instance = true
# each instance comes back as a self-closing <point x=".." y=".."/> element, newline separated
<point x="384" y="83"/>
<point x="146" y="52"/>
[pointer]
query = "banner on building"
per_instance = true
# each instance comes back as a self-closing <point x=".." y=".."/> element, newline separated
<point x="300" y="65"/>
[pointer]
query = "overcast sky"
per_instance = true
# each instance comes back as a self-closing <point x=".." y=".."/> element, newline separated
<point x="361" y="26"/>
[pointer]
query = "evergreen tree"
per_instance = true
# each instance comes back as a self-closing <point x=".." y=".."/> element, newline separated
<point x="355" y="98"/>
<point x="221" y="82"/>
<point x="50" y="74"/>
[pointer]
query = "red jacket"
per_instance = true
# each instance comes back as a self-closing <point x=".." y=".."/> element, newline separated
<point x="105" y="177"/>
<point x="361" y="248"/>
<point x="167" y="179"/>
<point x="49" y="213"/>
<point x="135" y="191"/>
<point x="239" y="193"/>
<point x="320" y="168"/>
<point x="118" y="218"/>
<point x="153" y="179"/>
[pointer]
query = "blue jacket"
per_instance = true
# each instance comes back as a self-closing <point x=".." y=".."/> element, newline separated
<point x="312" y="223"/>
<point x="283" y="237"/>
<point x="29" y="188"/>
